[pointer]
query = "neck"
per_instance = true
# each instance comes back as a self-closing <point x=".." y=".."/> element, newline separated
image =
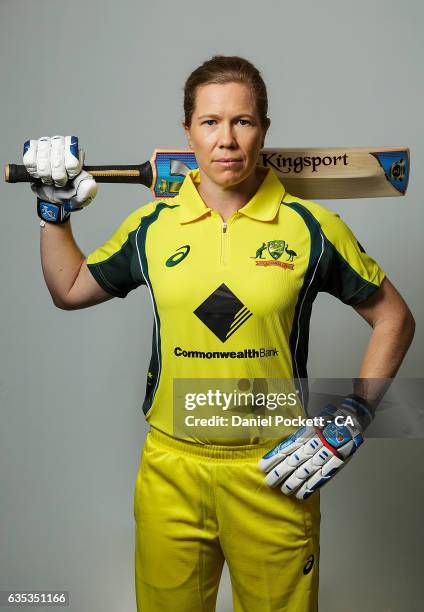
<point x="228" y="200"/>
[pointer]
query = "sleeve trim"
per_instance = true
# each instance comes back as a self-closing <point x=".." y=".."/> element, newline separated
<point x="105" y="284"/>
<point x="367" y="289"/>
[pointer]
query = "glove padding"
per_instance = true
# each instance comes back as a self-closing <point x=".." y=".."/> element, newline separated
<point x="64" y="186"/>
<point x="311" y="456"/>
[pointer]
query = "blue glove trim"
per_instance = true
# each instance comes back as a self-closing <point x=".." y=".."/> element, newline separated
<point x="359" y="406"/>
<point x="73" y="147"/>
<point x="336" y="435"/>
<point x="281" y="445"/>
<point x="53" y="213"/>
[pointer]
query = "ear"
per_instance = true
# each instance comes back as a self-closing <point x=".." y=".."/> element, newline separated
<point x="266" y="130"/>
<point x="187" y="133"/>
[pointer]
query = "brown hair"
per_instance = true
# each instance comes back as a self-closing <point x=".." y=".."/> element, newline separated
<point x="226" y="69"/>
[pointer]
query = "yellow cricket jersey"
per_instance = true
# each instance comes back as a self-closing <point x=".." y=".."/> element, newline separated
<point x="231" y="299"/>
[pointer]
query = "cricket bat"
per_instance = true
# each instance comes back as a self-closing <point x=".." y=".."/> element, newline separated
<point x="316" y="173"/>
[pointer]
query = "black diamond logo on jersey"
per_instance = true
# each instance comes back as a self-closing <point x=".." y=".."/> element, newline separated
<point x="223" y="312"/>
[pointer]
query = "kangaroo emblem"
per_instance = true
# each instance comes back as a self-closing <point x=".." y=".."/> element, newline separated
<point x="260" y="251"/>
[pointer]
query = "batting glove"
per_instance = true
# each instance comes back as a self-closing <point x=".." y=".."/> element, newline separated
<point x="64" y="186"/>
<point x="306" y="460"/>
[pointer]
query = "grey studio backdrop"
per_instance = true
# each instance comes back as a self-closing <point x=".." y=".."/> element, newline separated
<point x="72" y="383"/>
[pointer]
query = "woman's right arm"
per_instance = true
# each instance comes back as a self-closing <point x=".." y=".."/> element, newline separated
<point x="63" y="187"/>
<point x="68" y="279"/>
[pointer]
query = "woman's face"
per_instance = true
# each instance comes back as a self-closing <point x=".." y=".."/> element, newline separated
<point x="225" y="133"/>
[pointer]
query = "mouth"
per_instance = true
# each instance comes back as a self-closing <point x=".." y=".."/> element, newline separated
<point x="228" y="161"/>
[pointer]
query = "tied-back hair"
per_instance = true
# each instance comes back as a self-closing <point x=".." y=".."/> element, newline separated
<point x="226" y="69"/>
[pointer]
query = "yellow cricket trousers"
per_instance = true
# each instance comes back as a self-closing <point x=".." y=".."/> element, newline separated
<point x="196" y="506"/>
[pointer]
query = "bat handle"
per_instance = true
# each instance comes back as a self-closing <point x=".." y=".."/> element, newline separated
<point x="16" y="174"/>
<point x="138" y="174"/>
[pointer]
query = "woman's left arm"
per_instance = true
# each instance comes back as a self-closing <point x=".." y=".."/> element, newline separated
<point x="393" y="330"/>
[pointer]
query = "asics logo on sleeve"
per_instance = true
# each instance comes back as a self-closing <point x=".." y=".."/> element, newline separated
<point x="308" y="565"/>
<point x="177" y="257"/>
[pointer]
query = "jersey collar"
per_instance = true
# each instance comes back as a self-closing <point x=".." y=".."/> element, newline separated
<point x="263" y="206"/>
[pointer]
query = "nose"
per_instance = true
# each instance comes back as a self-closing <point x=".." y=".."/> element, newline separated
<point x="226" y="135"/>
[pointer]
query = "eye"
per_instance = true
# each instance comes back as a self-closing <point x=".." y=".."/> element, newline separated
<point x="208" y="121"/>
<point x="245" y="121"/>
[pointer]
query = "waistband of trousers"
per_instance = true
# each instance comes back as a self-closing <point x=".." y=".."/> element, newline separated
<point x="211" y="451"/>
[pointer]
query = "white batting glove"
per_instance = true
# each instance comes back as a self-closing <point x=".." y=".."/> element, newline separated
<point x="63" y="186"/>
<point x="306" y="460"/>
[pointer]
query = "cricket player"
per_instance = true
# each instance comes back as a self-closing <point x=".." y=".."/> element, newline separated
<point x="232" y="264"/>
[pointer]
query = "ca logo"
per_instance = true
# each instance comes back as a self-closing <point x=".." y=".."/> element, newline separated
<point x="177" y="257"/>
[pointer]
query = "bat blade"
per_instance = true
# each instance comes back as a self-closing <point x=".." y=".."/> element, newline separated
<point x="308" y="173"/>
<point x="317" y="173"/>
<point x="341" y="173"/>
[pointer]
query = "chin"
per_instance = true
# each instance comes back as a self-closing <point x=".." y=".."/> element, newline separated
<point x="229" y="181"/>
<point x="231" y="177"/>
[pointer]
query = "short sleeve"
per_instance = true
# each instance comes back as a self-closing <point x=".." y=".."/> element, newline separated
<point x="115" y="264"/>
<point x="348" y="272"/>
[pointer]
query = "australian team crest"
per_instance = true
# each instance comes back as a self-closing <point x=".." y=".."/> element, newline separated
<point x="276" y="248"/>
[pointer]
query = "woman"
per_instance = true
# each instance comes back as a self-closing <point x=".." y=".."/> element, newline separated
<point x="220" y="313"/>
